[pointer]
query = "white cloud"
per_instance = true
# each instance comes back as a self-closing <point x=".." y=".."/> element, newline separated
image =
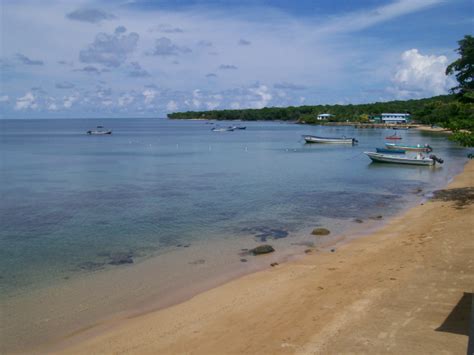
<point x="4" y="98"/>
<point x="171" y="106"/>
<point x="264" y="96"/>
<point x="26" y="102"/>
<point x="149" y="95"/>
<point x="125" y="100"/>
<point x="69" y="101"/>
<point x="420" y="75"/>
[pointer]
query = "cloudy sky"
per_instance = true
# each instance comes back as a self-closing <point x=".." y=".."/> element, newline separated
<point x="134" y="58"/>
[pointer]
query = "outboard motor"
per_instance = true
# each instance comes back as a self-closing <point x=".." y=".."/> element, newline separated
<point x="436" y="159"/>
<point x="354" y="141"/>
<point x="427" y="146"/>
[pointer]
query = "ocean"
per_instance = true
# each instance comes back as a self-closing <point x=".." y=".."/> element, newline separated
<point x="169" y="207"/>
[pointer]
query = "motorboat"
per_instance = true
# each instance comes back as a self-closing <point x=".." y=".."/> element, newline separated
<point x="99" y="131"/>
<point x="331" y="140"/>
<point x="416" y="148"/>
<point x="419" y="159"/>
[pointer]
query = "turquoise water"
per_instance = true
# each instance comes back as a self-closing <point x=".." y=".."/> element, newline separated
<point x="69" y="201"/>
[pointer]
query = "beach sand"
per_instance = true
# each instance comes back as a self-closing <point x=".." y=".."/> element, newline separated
<point x="427" y="128"/>
<point x="403" y="289"/>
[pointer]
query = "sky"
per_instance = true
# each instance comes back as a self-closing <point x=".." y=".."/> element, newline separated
<point x="146" y="58"/>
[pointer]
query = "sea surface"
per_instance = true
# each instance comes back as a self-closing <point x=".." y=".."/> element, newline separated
<point x="71" y="203"/>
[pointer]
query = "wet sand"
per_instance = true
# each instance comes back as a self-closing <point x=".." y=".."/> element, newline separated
<point x="401" y="289"/>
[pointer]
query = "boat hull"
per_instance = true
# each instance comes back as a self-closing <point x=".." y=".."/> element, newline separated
<point x="98" y="133"/>
<point x="385" y="158"/>
<point x="420" y="148"/>
<point x="390" y="151"/>
<point x="315" y="139"/>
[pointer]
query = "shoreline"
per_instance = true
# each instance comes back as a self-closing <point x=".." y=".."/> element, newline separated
<point x="230" y="293"/>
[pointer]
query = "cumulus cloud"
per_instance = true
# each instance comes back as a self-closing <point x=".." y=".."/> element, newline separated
<point x="263" y="96"/>
<point x="289" y="86"/>
<point x="27" y="61"/>
<point x="244" y="42"/>
<point x="227" y="67"/>
<point x="165" y="28"/>
<point x="149" y="95"/>
<point x="68" y="101"/>
<point x="137" y="71"/>
<point x="64" y="85"/>
<point x="26" y="102"/>
<point x="171" y="106"/>
<point x="420" y="75"/>
<point x="211" y="75"/>
<point x="125" y="99"/>
<point x="111" y="50"/>
<point x="90" y="15"/>
<point x="165" y="47"/>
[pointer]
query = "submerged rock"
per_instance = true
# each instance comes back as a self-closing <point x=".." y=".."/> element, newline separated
<point x="320" y="231"/>
<point x="121" y="258"/>
<point x="262" y="249"/>
<point x="243" y="260"/>
<point x="358" y="220"/>
<point x="90" y="265"/>
<point x="273" y="264"/>
<point x="197" y="262"/>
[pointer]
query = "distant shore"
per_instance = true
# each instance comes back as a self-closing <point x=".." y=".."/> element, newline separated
<point x="395" y="290"/>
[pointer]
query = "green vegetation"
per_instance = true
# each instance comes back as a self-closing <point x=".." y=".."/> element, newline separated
<point x="455" y="112"/>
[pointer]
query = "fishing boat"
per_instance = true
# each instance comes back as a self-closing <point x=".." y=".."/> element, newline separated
<point x="393" y="136"/>
<point x="222" y="129"/>
<point x="419" y="159"/>
<point x="99" y="131"/>
<point x="390" y="151"/>
<point x="239" y="127"/>
<point x="340" y="140"/>
<point x="415" y="148"/>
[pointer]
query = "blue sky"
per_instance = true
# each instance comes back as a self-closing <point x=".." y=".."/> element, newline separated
<point x="136" y="58"/>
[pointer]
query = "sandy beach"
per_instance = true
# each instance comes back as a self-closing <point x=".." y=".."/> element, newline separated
<point x="403" y="289"/>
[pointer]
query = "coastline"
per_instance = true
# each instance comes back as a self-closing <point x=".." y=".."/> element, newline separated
<point x="387" y="291"/>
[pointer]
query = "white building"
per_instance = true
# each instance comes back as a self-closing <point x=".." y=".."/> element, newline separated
<point x="324" y="116"/>
<point x="395" y="117"/>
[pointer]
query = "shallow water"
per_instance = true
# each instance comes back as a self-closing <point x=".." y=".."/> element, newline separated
<point x="71" y="201"/>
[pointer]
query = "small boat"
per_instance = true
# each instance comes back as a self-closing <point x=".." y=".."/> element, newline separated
<point x="393" y="136"/>
<point x="419" y="159"/>
<point x="415" y="148"/>
<point x="390" y="151"/>
<point x="222" y="129"/>
<point x="239" y="127"/>
<point x="341" y="140"/>
<point x="99" y="131"/>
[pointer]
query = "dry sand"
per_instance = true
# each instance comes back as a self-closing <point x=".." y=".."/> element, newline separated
<point x="398" y="290"/>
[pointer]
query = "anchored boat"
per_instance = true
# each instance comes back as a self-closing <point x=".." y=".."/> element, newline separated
<point x="415" y="148"/>
<point x="341" y="140"/>
<point x="390" y="151"/>
<point x="99" y="131"/>
<point x="393" y="137"/>
<point x="419" y="159"/>
<point x="222" y="129"/>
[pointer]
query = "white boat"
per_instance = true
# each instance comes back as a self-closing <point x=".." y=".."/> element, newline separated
<point x="99" y="131"/>
<point x="419" y="159"/>
<point x="222" y="129"/>
<point x="339" y="140"/>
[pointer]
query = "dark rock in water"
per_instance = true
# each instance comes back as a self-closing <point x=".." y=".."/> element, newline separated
<point x="91" y="265"/>
<point x="273" y="264"/>
<point x="358" y="220"/>
<point x="179" y="245"/>
<point x="461" y="197"/>
<point x="262" y="249"/>
<point x="243" y="260"/>
<point x="333" y="250"/>
<point x="376" y="217"/>
<point x="186" y="245"/>
<point x="121" y="258"/>
<point x="320" y="231"/>
<point x="197" y="262"/>
<point x="308" y="251"/>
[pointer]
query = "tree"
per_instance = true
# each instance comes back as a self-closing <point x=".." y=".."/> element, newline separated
<point x="463" y="68"/>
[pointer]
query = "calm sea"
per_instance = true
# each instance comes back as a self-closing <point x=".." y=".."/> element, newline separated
<point x="71" y="202"/>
